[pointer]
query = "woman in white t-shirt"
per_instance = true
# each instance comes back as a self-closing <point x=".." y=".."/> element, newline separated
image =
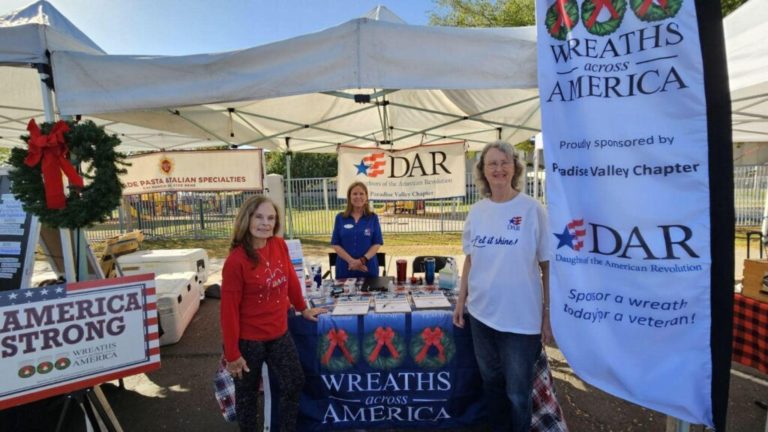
<point x="505" y="286"/>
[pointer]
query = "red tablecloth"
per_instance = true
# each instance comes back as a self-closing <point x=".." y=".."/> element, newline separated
<point x="750" y="332"/>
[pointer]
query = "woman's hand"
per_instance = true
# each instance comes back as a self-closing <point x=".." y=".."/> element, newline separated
<point x="237" y="367"/>
<point x="357" y="264"/>
<point x="546" y="329"/>
<point x="458" y="314"/>
<point x="311" y="314"/>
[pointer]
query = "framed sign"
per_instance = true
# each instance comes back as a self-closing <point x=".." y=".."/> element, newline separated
<point x="61" y="338"/>
<point x="18" y="236"/>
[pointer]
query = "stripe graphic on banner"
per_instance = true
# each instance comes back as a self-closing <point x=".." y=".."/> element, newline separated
<point x="416" y="173"/>
<point x="625" y="130"/>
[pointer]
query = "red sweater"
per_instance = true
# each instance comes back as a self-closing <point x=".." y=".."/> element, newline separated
<point x="255" y="299"/>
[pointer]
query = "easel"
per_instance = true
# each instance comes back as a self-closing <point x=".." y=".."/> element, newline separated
<point x="96" y="408"/>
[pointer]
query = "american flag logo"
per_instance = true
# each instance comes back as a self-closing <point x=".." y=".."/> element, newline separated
<point x="32" y="295"/>
<point x="377" y="163"/>
<point x="573" y="235"/>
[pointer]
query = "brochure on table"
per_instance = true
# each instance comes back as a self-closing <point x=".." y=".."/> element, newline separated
<point x="297" y="260"/>
<point x="391" y="303"/>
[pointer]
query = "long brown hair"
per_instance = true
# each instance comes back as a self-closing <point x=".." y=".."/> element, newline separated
<point x="366" y="208"/>
<point x="241" y="233"/>
<point x="479" y="174"/>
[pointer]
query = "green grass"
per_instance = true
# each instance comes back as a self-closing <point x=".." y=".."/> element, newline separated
<point x="394" y="245"/>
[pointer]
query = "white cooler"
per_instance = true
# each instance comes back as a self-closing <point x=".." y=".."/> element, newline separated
<point x="164" y="261"/>
<point x="177" y="302"/>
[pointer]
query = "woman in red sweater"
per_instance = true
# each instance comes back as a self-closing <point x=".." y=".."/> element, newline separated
<point x="258" y="287"/>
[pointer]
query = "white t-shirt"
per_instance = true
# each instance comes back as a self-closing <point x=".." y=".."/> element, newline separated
<point x="506" y="242"/>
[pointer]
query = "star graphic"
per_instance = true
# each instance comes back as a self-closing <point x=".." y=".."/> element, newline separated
<point x="565" y="239"/>
<point x="12" y="296"/>
<point x="28" y="293"/>
<point x="44" y="291"/>
<point x="362" y="168"/>
<point x="59" y="290"/>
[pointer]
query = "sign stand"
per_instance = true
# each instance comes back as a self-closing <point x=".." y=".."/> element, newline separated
<point x="97" y="410"/>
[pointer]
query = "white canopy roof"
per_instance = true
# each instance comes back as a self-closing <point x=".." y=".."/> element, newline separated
<point x="745" y="31"/>
<point x="425" y="84"/>
<point x="25" y="36"/>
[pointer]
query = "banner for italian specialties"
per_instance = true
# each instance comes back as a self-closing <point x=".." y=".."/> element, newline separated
<point x="194" y="171"/>
<point x="387" y="371"/>
<point x="635" y="123"/>
<point x="61" y="338"/>
<point x="416" y="173"/>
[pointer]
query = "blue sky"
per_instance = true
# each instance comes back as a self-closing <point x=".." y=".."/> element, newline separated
<point x="177" y="27"/>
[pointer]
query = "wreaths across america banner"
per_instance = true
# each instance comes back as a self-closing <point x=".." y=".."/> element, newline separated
<point x="636" y="129"/>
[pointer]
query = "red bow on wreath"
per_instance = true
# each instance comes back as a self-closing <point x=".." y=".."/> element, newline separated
<point x="383" y="337"/>
<point x="431" y="338"/>
<point x="562" y="17"/>
<point x="643" y="9"/>
<point x="337" y="338"/>
<point x="52" y="150"/>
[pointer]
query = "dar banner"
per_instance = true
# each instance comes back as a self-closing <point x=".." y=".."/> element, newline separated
<point x="61" y="338"/>
<point x="633" y="101"/>
<point x="416" y="173"/>
<point x="194" y="171"/>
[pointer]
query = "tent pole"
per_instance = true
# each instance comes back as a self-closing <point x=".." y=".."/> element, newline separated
<point x="289" y="210"/>
<point x="64" y="234"/>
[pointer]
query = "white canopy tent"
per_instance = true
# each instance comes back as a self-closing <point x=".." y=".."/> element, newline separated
<point x="367" y="82"/>
<point x="745" y="31"/>
<point x="26" y="36"/>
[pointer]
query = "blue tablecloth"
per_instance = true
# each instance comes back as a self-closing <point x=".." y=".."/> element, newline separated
<point x="387" y="371"/>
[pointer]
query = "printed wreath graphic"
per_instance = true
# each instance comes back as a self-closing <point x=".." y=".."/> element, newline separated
<point x="87" y="143"/>
<point x="26" y="371"/>
<point x="649" y="11"/>
<point x="62" y="363"/>
<point x="559" y="25"/>
<point x="44" y="367"/>
<point x="432" y="348"/>
<point x="382" y="341"/>
<point x="590" y="10"/>
<point x="337" y="351"/>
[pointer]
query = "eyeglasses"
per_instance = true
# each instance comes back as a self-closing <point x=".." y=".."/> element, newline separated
<point x="497" y="164"/>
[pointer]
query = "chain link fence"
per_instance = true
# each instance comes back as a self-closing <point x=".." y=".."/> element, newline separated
<point x="314" y="205"/>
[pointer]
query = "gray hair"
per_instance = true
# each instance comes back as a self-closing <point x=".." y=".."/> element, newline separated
<point x="479" y="174"/>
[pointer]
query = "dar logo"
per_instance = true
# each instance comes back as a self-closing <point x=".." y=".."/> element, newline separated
<point x="166" y="165"/>
<point x="372" y="165"/>
<point x="573" y="235"/>
<point x="514" y="223"/>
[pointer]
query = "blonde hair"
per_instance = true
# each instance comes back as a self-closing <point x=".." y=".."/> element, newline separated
<point x="366" y="209"/>
<point x="241" y="233"/>
<point x="479" y="174"/>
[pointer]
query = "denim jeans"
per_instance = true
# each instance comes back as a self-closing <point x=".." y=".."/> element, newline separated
<point x="506" y="362"/>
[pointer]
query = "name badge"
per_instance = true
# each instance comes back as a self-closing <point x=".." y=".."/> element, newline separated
<point x="349" y="226"/>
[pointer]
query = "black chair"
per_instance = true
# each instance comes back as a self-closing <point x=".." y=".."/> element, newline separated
<point x="440" y="262"/>
<point x="381" y="257"/>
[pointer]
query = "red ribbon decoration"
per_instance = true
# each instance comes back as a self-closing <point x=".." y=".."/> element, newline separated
<point x="431" y="338"/>
<point x="337" y="338"/>
<point x="383" y="337"/>
<point x="562" y="17"/>
<point x="643" y="9"/>
<point x="599" y="5"/>
<point x="52" y="149"/>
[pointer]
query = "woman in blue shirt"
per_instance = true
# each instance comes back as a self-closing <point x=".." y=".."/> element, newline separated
<point x="357" y="236"/>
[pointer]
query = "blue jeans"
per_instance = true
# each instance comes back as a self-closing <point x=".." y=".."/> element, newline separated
<point x="506" y="362"/>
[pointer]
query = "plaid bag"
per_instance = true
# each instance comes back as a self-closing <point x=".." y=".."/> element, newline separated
<point x="224" y="391"/>
<point x="547" y="414"/>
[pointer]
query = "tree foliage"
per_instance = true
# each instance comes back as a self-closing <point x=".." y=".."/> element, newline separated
<point x="303" y="165"/>
<point x="504" y="13"/>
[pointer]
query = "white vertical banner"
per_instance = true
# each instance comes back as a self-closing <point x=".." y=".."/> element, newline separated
<point x="416" y="173"/>
<point x="624" y="119"/>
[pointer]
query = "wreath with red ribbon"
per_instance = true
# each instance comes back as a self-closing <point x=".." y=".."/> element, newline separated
<point x="655" y="10"/>
<point x="432" y="348"/>
<point x="561" y="18"/>
<point x="590" y="10"/>
<point x="37" y="174"/>
<point x="336" y="351"/>
<point x="62" y="363"/>
<point x="26" y="371"/>
<point x="383" y="348"/>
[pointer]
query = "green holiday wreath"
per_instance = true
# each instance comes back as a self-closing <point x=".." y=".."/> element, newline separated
<point x="558" y="25"/>
<point x="383" y="348"/>
<point x="88" y="144"/>
<point x="616" y="9"/>
<point x="647" y="10"/>
<point x="337" y="350"/>
<point x="432" y="348"/>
